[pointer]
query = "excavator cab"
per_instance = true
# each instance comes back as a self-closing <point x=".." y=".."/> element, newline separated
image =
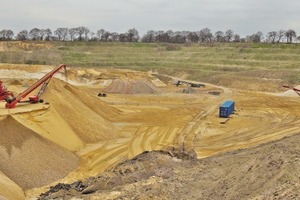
<point x="3" y="89"/>
<point x="5" y="94"/>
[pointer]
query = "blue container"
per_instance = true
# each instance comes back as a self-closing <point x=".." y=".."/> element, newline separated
<point x="226" y="109"/>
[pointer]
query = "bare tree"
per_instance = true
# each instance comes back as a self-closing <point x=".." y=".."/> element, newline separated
<point x="219" y="36"/>
<point x="100" y="34"/>
<point x="72" y="32"/>
<point x="122" y="37"/>
<point x="9" y="34"/>
<point x="61" y="33"/>
<point x="290" y="35"/>
<point x="86" y="32"/>
<point x="271" y="36"/>
<point x="259" y="37"/>
<point x="42" y="34"/>
<point x="256" y="38"/>
<point x="114" y="36"/>
<point x="280" y="35"/>
<point x="179" y="37"/>
<point x="22" y="35"/>
<point x="133" y="35"/>
<point x="48" y="33"/>
<point x="105" y="36"/>
<point x="228" y="35"/>
<point x="205" y="35"/>
<point x="6" y="34"/>
<point x="149" y="37"/>
<point x="34" y="34"/>
<point x="236" y="38"/>
<point x="2" y="35"/>
<point x="81" y="30"/>
<point x="161" y="36"/>
<point x="193" y="37"/>
<point x="92" y="35"/>
<point x="170" y="34"/>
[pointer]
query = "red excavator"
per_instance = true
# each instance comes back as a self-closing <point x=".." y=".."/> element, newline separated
<point x="11" y="100"/>
<point x="4" y="93"/>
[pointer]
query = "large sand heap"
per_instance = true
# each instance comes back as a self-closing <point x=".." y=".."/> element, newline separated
<point x="30" y="160"/>
<point x="131" y="87"/>
<point x="86" y="114"/>
<point x="36" y="147"/>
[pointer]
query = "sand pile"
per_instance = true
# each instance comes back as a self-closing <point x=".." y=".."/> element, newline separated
<point x="131" y="87"/>
<point x="87" y="115"/>
<point x="290" y="92"/>
<point x="30" y="160"/>
<point x="36" y="147"/>
<point x="15" y="82"/>
<point x="81" y="76"/>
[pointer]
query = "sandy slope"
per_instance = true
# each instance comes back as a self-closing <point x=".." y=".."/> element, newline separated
<point x="47" y="134"/>
<point x="30" y="160"/>
<point x="52" y="126"/>
<point x="9" y="189"/>
<point x="82" y="111"/>
<point x="269" y="171"/>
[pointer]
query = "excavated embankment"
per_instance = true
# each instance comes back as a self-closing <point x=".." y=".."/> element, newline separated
<point x="30" y="160"/>
<point x="269" y="171"/>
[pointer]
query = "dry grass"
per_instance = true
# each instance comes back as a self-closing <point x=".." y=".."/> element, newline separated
<point x="198" y="61"/>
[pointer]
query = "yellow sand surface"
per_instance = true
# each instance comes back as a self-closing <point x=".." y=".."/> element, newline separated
<point x="75" y="133"/>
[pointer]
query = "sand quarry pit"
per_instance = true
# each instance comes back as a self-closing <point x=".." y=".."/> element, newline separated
<point x="78" y="134"/>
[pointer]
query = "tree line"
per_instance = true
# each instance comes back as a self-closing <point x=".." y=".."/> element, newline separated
<point x="205" y="35"/>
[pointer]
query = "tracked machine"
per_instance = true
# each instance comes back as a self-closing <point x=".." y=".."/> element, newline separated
<point x="12" y="100"/>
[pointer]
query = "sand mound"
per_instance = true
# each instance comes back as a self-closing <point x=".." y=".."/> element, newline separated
<point x="85" y="113"/>
<point x="30" y="160"/>
<point x="15" y="82"/>
<point x="131" y="87"/>
<point x="289" y="93"/>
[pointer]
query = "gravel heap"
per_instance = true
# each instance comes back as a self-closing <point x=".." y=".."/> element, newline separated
<point x="131" y="87"/>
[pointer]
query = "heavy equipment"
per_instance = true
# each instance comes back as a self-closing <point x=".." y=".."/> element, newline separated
<point x="293" y="88"/>
<point x="12" y="101"/>
<point x="179" y="82"/>
<point x="4" y="93"/>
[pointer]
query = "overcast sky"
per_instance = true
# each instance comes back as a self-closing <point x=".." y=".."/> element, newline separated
<point x="244" y="17"/>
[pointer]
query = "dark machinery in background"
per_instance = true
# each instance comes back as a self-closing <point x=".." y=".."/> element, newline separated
<point x="189" y="84"/>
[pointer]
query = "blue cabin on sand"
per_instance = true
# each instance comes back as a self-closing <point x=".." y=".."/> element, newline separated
<point x="226" y="109"/>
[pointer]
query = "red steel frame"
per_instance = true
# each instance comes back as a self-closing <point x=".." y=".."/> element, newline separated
<point x="44" y="80"/>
